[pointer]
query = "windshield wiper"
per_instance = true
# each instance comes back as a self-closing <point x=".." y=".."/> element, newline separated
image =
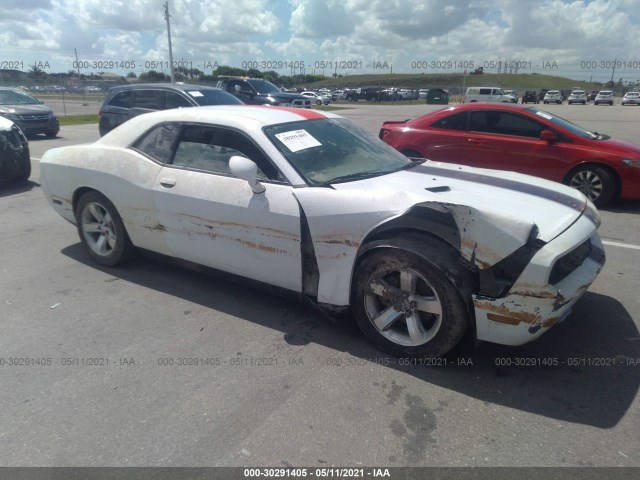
<point x="352" y="176"/>
<point x="414" y="163"/>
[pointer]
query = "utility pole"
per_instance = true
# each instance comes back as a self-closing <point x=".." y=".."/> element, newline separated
<point x="166" y="17"/>
<point x="77" y="64"/>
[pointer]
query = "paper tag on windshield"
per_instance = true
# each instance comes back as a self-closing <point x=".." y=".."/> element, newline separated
<point x="297" y="140"/>
<point x="195" y="93"/>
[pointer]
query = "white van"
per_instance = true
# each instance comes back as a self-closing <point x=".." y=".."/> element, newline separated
<point x="488" y="94"/>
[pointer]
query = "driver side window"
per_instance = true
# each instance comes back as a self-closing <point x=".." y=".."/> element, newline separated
<point x="210" y="149"/>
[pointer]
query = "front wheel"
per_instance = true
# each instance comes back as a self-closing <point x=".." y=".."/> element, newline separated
<point x="596" y="183"/>
<point x="406" y="305"/>
<point x="25" y="173"/>
<point x="102" y="231"/>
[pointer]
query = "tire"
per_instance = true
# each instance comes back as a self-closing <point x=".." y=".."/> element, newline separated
<point x="101" y="230"/>
<point x="596" y="183"/>
<point x="406" y="305"/>
<point x="318" y="102"/>
<point x="24" y="175"/>
<point x="52" y="133"/>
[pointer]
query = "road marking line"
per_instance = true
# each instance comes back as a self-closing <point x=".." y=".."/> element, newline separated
<point x="622" y="245"/>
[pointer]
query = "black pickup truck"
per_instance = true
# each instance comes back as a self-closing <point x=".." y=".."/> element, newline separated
<point x="256" y="91"/>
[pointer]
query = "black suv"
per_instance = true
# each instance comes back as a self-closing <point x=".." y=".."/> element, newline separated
<point x="128" y="101"/>
<point x="530" y="96"/>
<point x="15" y="163"/>
<point x="256" y="91"/>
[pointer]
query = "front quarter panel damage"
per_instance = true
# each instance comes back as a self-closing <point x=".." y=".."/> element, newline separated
<point x="488" y="237"/>
<point x="341" y="220"/>
<point x="338" y="221"/>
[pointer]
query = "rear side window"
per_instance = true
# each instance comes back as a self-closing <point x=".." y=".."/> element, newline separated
<point x="158" y="142"/>
<point x="175" y="100"/>
<point x="151" y="99"/>
<point x="457" y="121"/>
<point x="485" y="91"/>
<point x="122" y="99"/>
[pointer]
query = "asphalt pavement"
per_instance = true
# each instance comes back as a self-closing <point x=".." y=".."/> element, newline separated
<point x="155" y="365"/>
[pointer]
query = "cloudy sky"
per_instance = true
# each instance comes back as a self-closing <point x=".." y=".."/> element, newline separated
<point x="581" y="39"/>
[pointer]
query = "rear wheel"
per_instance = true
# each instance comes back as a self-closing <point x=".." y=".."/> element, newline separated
<point x="102" y="231"/>
<point x="596" y="183"/>
<point x="406" y="305"/>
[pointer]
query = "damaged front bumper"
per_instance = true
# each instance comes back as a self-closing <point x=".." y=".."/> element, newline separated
<point x="534" y="304"/>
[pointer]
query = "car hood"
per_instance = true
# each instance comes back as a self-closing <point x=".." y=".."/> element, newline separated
<point x="496" y="211"/>
<point x="35" y="109"/>
<point x="621" y="146"/>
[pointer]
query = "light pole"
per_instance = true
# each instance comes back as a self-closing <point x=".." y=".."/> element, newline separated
<point x="166" y="17"/>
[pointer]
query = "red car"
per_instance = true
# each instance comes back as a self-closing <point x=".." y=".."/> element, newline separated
<point x="523" y="139"/>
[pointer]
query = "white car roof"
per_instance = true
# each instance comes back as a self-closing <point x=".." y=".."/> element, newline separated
<point x="242" y="117"/>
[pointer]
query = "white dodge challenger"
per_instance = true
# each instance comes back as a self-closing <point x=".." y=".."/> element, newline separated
<point x="309" y="203"/>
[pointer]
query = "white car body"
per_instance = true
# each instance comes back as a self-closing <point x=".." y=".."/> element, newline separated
<point x="604" y="96"/>
<point x="279" y="231"/>
<point x="317" y="98"/>
<point x="488" y="95"/>
<point x="577" y="96"/>
<point x="631" y="98"/>
<point x="552" y="96"/>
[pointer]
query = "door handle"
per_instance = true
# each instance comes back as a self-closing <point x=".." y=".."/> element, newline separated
<point x="167" y="182"/>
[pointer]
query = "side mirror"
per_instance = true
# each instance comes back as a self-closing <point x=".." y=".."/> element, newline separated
<point x="247" y="170"/>
<point x="548" y="135"/>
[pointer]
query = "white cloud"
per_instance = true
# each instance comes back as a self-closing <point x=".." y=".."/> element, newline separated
<point x="392" y="31"/>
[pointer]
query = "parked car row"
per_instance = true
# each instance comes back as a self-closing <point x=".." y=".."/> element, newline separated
<point x="577" y="96"/>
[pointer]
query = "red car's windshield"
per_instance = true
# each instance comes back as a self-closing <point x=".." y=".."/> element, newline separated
<point x="567" y="125"/>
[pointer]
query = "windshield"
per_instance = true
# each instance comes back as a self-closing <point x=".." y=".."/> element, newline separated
<point x="12" y="97"/>
<point x="213" y="97"/>
<point x="561" y="122"/>
<point x="328" y="150"/>
<point x="263" y="86"/>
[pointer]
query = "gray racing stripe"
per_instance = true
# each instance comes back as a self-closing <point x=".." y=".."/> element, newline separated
<point x="541" y="192"/>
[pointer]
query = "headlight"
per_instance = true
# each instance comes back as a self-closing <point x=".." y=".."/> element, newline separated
<point x="10" y="116"/>
<point x="631" y="163"/>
